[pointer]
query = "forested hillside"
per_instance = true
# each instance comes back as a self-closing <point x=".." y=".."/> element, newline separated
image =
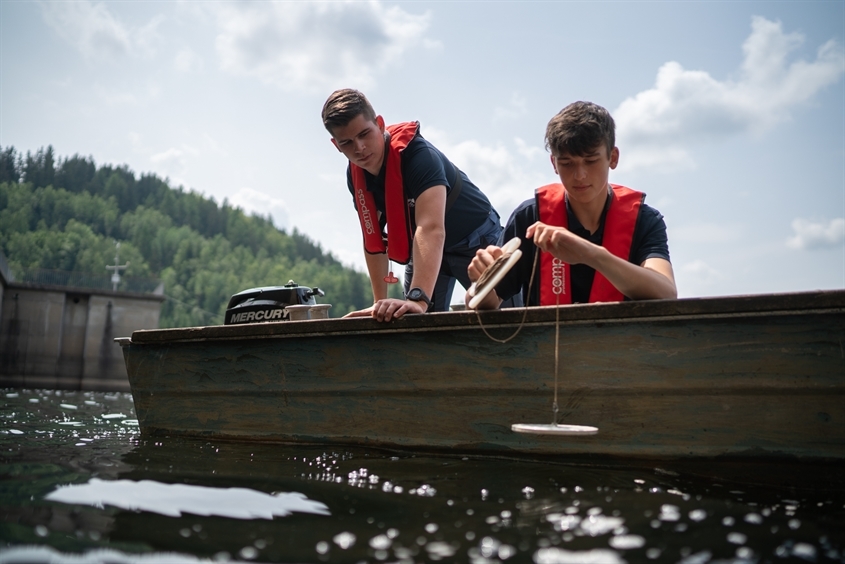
<point x="67" y="214"/>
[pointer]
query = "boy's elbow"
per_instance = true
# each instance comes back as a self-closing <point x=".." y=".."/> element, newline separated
<point x="671" y="293"/>
<point x="432" y="231"/>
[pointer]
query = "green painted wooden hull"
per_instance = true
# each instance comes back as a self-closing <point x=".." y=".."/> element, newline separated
<point x="738" y="377"/>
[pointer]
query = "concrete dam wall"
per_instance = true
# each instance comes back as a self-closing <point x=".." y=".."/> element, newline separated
<point x="63" y="338"/>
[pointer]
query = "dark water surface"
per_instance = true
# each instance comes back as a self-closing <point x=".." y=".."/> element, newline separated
<point x="78" y="483"/>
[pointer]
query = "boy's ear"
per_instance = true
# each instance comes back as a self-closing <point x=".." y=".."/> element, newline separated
<point x="554" y="163"/>
<point x="335" y="144"/>
<point x="614" y="158"/>
<point x="380" y="123"/>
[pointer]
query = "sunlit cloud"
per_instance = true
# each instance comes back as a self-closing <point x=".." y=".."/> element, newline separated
<point x="99" y="35"/>
<point x="704" y="232"/>
<point x="530" y="152"/>
<point x="817" y="235"/>
<point x="517" y="107"/>
<point x="171" y="158"/>
<point x="171" y="163"/>
<point x="658" y="128"/>
<point x="697" y="278"/>
<point x="187" y="61"/>
<point x="505" y="175"/>
<point x="146" y="40"/>
<point x="258" y="203"/>
<point x="112" y="96"/>
<point x="315" y="46"/>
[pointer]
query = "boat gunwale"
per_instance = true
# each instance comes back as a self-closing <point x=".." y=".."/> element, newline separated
<point x="708" y="308"/>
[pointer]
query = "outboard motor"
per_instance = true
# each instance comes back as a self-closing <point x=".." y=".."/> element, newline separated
<point x="268" y="304"/>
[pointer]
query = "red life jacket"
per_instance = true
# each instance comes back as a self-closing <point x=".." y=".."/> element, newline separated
<point x="399" y="234"/>
<point x="619" y="223"/>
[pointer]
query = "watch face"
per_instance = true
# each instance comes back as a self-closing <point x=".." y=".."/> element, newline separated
<point x="416" y="294"/>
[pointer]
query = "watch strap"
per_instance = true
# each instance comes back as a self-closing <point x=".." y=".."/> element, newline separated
<point x="422" y="296"/>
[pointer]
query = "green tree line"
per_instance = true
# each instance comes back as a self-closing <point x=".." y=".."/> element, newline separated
<point x="67" y="214"/>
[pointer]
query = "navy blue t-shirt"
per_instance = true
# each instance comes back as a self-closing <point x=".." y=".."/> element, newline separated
<point x="649" y="241"/>
<point x="424" y="166"/>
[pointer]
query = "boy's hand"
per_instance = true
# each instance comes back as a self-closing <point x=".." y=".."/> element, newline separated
<point x="389" y="309"/>
<point x="482" y="260"/>
<point x="367" y="312"/>
<point x="392" y="308"/>
<point x="561" y="243"/>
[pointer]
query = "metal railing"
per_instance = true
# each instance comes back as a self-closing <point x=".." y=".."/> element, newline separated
<point x="71" y="279"/>
<point x="5" y="271"/>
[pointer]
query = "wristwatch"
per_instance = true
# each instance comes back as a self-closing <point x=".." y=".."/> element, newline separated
<point x="417" y="295"/>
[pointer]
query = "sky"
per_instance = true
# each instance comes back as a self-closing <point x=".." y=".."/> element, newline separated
<point x="730" y="116"/>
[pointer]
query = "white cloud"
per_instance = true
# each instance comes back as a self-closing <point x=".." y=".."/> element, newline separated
<point x="147" y="39"/>
<point x="698" y="277"/>
<point x="658" y="127"/>
<point x="517" y="107"/>
<point x="169" y="158"/>
<point x="115" y="97"/>
<point x="259" y="203"/>
<point x="527" y="150"/>
<point x="187" y="61"/>
<point x="98" y="34"/>
<point x="171" y="163"/>
<point x="505" y="179"/>
<point x="314" y="45"/>
<point x="112" y="97"/>
<point x="703" y="232"/>
<point x="815" y="235"/>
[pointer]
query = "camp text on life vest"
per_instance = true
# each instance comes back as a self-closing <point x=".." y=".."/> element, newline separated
<point x="399" y="232"/>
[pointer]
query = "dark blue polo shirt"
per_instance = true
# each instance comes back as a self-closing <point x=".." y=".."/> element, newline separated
<point x="649" y="241"/>
<point x="424" y="166"/>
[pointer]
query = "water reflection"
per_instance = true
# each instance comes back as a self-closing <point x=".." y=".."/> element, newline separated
<point x="175" y="499"/>
<point x="77" y="482"/>
<point x="46" y="554"/>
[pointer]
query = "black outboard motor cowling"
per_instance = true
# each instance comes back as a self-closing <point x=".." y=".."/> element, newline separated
<point x="268" y="304"/>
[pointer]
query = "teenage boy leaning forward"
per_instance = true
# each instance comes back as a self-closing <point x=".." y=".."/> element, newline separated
<point x="602" y="243"/>
<point x="436" y="219"/>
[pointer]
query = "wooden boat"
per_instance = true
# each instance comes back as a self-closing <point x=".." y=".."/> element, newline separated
<point x="745" y="377"/>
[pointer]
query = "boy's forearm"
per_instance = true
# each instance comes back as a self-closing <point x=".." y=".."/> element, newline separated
<point x="428" y="253"/>
<point x="377" y="267"/>
<point x="429" y="238"/>
<point x="490" y="301"/>
<point x="649" y="281"/>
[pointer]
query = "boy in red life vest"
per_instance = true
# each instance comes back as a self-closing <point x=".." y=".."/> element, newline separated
<point x="600" y="241"/>
<point x="435" y="218"/>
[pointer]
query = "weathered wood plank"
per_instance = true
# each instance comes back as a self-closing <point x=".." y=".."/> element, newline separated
<point x="767" y="382"/>
<point x="625" y="312"/>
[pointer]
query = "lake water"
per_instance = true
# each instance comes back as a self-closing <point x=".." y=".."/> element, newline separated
<point x="78" y="483"/>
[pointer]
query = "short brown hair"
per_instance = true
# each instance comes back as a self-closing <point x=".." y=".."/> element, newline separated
<point x="579" y="128"/>
<point x="345" y="105"/>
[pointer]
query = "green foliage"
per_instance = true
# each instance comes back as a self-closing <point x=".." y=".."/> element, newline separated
<point x="9" y="165"/>
<point x="38" y="169"/>
<point x="68" y="216"/>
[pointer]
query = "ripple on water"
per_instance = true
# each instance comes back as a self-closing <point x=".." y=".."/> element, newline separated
<point x="176" y="499"/>
<point x="554" y="555"/>
<point x="478" y="510"/>
<point x="627" y="542"/>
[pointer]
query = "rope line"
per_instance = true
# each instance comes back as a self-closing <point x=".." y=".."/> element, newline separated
<point x="486" y="276"/>
<point x="524" y="308"/>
